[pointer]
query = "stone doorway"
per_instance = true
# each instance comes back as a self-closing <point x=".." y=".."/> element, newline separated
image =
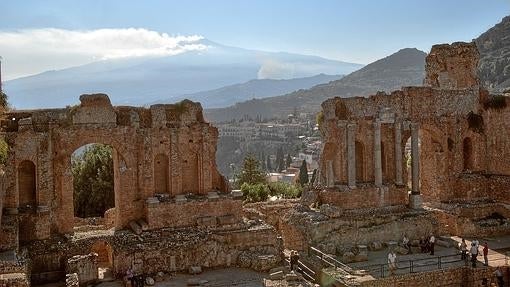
<point x="104" y="259"/>
<point x="93" y="183"/>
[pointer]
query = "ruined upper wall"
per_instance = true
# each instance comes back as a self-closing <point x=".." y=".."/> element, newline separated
<point x="96" y="109"/>
<point x="452" y="66"/>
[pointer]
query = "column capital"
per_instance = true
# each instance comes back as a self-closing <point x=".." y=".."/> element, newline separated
<point x="351" y="126"/>
<point x="414" y="125"/>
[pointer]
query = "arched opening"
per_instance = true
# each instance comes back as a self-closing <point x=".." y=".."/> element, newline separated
<point x="190" y="174"/>
<point x="360" y="161"/>
<point x="92" y="167"/>
<point x="104" y="259"/>
<point x="467" y="152"/>
<point x="27" y="185"/>
<point x="161" y="174"/>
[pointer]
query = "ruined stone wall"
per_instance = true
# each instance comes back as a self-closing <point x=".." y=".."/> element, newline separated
<point x="46" y="139"/>
<point x="462" y="132"/>
<point x="194" y="213"/>
<point x="365" y="197"/>
<point x="452" y="66"/>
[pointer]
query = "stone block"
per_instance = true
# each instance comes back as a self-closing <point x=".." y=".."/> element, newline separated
<point x="193" y="282"/>
<point x="415" y="201"/>
<point x="212" y="195"/>
<point x="226" y="219"/>
<point x="391" y="245"/>
<point x="135" y="227"/>
<point x="348" y="257"/>
<point x="195" y="269"/>
<point x="278" y="275"/>
<point x="180" y="198"/>
<point x="401" y="250"/>
<point x="209" y="221"/>
<point x="375" y="246"/>
<point x="236" y="194"/>
<point x="143" y="224"/>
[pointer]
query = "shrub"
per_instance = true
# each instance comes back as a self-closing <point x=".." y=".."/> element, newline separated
<point x="285" y="190"/>
<point x="255" y="192"/>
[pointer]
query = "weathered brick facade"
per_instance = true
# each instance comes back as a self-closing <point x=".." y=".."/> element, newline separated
<point x="459" y="139"/>
<point x="165" y="150"/>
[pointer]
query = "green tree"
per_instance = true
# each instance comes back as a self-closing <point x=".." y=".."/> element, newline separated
<point x="4" y="103"/>
<point x="288" y="161"/>
<point x="303" y="174"/>
<point x="280" y="162"/>
<point x="251" y="172"/>
<point x="268" y="163"/>
<point x="255" y="192"/>
<point x="4" y="151"/>
<point x="93" y="181"/>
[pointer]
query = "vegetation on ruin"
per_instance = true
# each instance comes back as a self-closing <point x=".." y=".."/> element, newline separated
<point x="320" y="119"/>
<point x="4" y="103"/>
<point x="4" y="151"/>
<point x="495" y="102"/>
<point x="262" y="191"/>
<point x="475" y="122"/>
<point x="93" y="181"/>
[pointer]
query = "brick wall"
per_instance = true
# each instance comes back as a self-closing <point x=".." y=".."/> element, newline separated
<point x="365" y="197"/>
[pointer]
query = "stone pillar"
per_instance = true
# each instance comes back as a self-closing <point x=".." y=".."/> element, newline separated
<point x="377" y="154"/>
<point x="398" y="154"/>
<point x="415" y="197"/>
<point x="329" y="173"/>
<point x="351" y="155"/>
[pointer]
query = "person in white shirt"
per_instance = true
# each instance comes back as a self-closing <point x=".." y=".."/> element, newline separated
<point x="392" y="262"/>
<point x="474" y="253"/>
<point x="432" y="241"/>
<point x="405" y="244"/>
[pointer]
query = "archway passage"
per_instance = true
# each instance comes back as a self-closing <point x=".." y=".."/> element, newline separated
<point x="93" y="181"/>
<point x="104" y="259"/>
<point x="467" y="152"/>
<point x="360" y="161"/>
<point x="27" y="184"/>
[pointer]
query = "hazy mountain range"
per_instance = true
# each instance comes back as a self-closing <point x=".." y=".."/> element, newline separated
<point x="139" y="81"/>
<point x="259" y="89"/>
<point x="404" y="68"/>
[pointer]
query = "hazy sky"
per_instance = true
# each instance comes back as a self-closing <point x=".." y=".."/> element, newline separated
<point x="358" y="31"/>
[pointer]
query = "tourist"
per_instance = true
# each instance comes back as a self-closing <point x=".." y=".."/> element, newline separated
<point x="423" y="245"/>
<point x="474" y="254"/>
<point x="432" y="241"/>
<point x="486" y="253"/>
<point x="499" y="277"/>
<point x="294" y="259"/>
<point x="392" y="262"/>
<point x="405" y="244"/>
<point x="463" y="249"/>
<point x="129" y="277"/>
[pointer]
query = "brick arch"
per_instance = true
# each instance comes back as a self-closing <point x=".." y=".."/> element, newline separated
<point x="124" y="162"/>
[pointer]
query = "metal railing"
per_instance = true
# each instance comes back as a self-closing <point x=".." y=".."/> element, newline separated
<point x="304" y="270"/>
<point x="329" y="260"/>
<point x="424" y="264"/>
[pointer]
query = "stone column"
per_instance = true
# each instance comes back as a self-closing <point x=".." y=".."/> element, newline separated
<point x="377" y="154"/>
<point x="398" y="154"/>
<point x="329" y="173"/>
<point x="415" y="197"/>
<point x="351" y="155"/>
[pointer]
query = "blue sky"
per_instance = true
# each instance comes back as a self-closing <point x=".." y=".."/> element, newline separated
<point x="356" y="31"/>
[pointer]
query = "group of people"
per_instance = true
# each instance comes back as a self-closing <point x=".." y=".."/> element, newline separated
<point x="474" y="251"/>
<point x="133" y="280"/>
<point x="427" y="244"/>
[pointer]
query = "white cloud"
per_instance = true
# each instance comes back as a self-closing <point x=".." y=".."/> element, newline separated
<point x="33" y="51"/>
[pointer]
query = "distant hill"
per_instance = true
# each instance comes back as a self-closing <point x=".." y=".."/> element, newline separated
<point x="259" y="89"/>
<point x="494" y="47"/>
<point x="403" y="68"/>
<point x="139" y="81"/>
